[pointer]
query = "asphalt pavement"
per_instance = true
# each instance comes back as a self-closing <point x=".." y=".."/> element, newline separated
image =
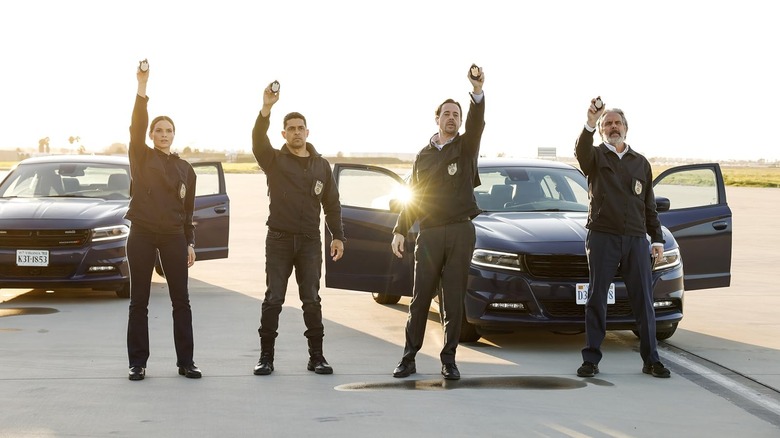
<point x="63" y="363"/>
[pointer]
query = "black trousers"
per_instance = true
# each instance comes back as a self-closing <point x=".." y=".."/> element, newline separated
<point x="142" y="247"/>
<point x="605" y="252"/>
<point x="283" y="252"/>
<point x="442" y="256"/>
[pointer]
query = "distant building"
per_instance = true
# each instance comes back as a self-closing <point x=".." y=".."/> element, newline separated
<point x="547" y="153"/>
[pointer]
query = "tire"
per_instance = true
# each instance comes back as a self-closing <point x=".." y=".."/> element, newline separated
<point x="666" y="334"/>
<point x="468" y="332"/>
<point x="385" y="298"/>
<point x="124" y="291"/>
<point x="661" y="335"/>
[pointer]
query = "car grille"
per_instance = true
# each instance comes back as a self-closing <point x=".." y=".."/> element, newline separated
<point x="42" y="239"/>
<point x="33" y="272"/>
<point x="557" y="266"/>
<point x="567" y="309"/>
<point x="560" y="266"/>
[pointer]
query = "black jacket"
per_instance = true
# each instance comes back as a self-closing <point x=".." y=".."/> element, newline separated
<point x="295" y="192"/>
<point x="620" y="190"/>
<point x="443" y="180"/>
<point x="162" y="187"/>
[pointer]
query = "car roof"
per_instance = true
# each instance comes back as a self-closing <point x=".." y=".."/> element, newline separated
<point x="75" y="158"/>
<point x="522" y="162"/>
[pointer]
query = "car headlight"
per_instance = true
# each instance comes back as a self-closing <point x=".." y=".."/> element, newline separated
<point x="670" y="259"/>
<point x="496" y="259"/>
<point x="110" y="233"/>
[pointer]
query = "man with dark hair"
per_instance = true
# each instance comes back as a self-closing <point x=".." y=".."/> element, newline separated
<point x="444" y="175"/>
<point x="300" y="186"/>
<point x="621" y="215"/>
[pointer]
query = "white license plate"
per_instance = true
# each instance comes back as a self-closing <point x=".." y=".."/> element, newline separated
<point x="32" y="257"/>
<point x="582" y="293"/>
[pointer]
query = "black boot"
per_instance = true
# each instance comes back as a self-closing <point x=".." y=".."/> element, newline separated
<point x="317" y="362"/>
<point x="265" y="365"/>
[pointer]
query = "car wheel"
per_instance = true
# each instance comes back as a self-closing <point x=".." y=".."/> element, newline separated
<point x="124" y="291"/>
<point x="385" y="298"/>
<point x="666" y="334"/>
<point x="660" y="335"/>
<point x="468" y="332"/>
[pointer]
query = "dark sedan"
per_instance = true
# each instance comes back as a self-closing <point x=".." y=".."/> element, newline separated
<point x="529" y="268"/>
<point x="62" y="221"/>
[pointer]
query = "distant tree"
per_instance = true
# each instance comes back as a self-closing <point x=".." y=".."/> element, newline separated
<point x="43" y="145"/>
<point x="340" y="154"/>
<point x="186" y="150"/>
<point x="502" y="154"/>
<point x="117" y="149"/>
<point x="82" y="149"/>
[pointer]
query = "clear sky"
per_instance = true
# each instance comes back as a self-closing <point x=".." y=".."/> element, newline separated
<point x="697" y="79"/>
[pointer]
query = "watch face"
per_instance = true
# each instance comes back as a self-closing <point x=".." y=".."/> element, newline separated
<point x="143" y="66"/>
<point x="275" y="86"/>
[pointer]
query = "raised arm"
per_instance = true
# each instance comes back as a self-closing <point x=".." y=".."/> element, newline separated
<point x="583" y="148"/>
<point x="261" y="144"/>
<point x="139" y="120"/>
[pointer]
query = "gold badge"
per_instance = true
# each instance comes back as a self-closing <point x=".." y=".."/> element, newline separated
<point x="452" y="169"/>
<point x="318" y="187"/>
<point x="182" y="190"/>
<point x="638" y="187"/>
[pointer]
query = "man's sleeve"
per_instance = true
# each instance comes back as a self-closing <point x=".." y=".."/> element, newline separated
<point x="584" y="151"/>
<point x="261" y="145"/>
<point x="331" y="205"/>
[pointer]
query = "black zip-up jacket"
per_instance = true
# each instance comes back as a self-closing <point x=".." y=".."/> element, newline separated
<point x="162" y="187"/>
<point x="620" y="190"/>
<point x="443" y="180"/>
<point x="295" y="192"/>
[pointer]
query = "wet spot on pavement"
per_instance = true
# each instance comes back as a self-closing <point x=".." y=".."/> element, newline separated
<point x="504" y="382"/>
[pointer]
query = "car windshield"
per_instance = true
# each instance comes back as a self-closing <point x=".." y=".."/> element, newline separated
<point x="71" y="179"/>
<point x="523" y="189"/>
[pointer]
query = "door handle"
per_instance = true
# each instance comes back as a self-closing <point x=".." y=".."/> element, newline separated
<point x="220" y="210"/>
<point x="720" y="225"/>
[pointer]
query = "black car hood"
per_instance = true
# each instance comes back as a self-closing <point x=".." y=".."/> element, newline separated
<point x="27" y="213"/>
<point x="547" y="232"/>
<point x="538" y="232"/>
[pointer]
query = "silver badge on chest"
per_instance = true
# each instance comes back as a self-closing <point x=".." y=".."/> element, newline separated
<point x="318" y="187"/>
<point x="182" y="190"/>
<point x="452" y="169"/>
<point x="638" y="187"/>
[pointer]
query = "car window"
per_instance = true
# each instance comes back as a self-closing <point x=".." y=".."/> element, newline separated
<point x="384" y="189"/>
<point x="516" y="188"/>
<point x="208" y="180"/>
<point x="689" y="188"/>
<point x="88" y="180"/>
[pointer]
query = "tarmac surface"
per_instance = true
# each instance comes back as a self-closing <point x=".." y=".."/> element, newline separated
<point x="63" y="363"/>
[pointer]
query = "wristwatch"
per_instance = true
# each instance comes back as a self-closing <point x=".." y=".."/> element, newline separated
<point x="191" y="245"/>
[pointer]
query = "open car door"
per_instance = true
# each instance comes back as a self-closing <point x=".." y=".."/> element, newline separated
<point x="212" y="212"/>
<point x="700" y="219"/>
<point x="370" y="197"/>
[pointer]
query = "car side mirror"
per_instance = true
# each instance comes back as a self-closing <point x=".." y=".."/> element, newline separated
<point x="662" y="204"/>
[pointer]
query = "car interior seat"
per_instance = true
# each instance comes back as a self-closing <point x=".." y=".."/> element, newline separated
<point x="119" y="182"/>
<point x="527" y="192"/>
<point x="71" y="185"/>
<point x="500" y="194"/>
